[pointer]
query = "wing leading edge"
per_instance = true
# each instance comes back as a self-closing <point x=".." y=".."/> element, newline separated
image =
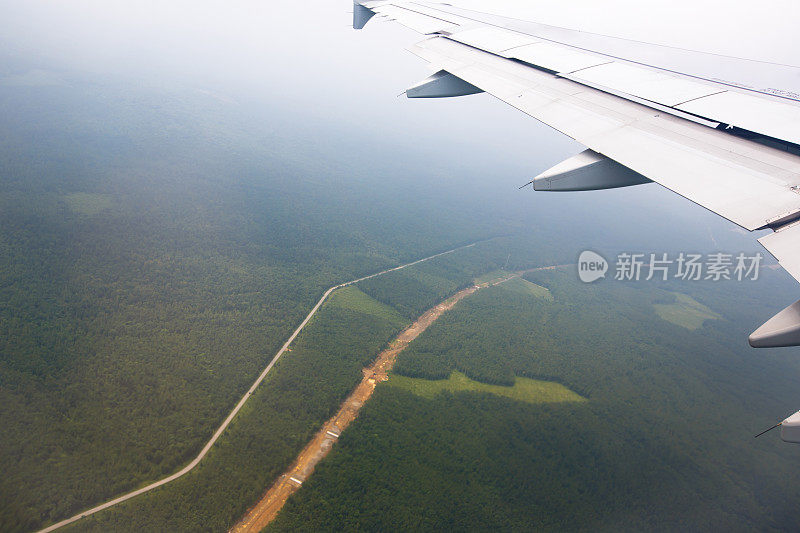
<point x="735" y="151"/>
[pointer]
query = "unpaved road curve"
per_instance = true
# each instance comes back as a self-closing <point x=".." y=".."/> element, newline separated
<point x="241" y="402"/>
<point x="267" y="508"/>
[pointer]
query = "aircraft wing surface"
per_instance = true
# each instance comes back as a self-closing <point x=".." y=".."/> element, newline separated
<point x="730" y="145"/>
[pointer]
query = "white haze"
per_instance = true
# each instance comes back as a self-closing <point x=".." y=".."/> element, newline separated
<point x="303" y="61"/>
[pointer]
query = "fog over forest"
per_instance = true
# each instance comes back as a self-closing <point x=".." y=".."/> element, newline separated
<point x="179" y="184"/>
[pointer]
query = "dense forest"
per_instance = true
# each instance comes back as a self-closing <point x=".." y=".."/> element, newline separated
<point x="154" y="254"/>
<point x="159" y="242"/>
<point x="663" y="442"/>
<point x="158" y="246"/>
<point x="304" y="389"/>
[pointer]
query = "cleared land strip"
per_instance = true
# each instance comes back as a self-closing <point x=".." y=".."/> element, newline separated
<point x="241" y="402"/>
<point x="267" y="508"/>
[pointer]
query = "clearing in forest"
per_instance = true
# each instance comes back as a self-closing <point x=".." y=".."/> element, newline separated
<point x="685" y="311"/>
<point x="523" y="286"/>
<point x="524" y="389"/>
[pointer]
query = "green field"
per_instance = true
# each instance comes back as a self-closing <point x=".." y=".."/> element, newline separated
<point x="663" y="442"/>
<point x="353" y="299"/>
<point x="490" y="276"/>
<point x="523" y="286"/>
<point x="524" y="389"/>
<point x="685" y="312"/>
<point x="303" y="390"/>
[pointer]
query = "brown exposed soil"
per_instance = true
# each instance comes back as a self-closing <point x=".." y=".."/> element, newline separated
<point x="265" y="510"/>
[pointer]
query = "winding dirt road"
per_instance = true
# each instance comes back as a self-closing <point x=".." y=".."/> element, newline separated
<point x="241" y="402"/>
<point x="287" y="484"/>
<point x="267" y="508"/>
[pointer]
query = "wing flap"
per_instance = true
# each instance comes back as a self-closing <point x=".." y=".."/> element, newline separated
<point x="491" y="39"/>
<point x="765" y="115"/>
<point x="555" y="57"/>
<point x="648" y="84"/>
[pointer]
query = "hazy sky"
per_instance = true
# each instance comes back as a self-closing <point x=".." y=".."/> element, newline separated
<point x="304" y="62"/>
<point x="304" y="54"/>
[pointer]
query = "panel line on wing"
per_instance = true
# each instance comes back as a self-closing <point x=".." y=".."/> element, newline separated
<point x="733" y="177"/>
<point x="718" y="101"/>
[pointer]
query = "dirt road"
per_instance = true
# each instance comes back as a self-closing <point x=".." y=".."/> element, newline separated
<point x="267" y="508"/>
<point x="263" y="512"/>
<point x="240" y="404"/>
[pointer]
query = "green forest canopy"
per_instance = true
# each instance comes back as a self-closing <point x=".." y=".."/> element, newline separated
<point x="664" y="440"/>
<point x="157" y="245"/>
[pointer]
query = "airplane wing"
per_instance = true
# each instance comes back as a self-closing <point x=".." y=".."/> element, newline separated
<point x="731" y="146"/>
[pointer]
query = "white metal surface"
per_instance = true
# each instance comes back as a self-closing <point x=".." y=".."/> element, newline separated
<point x="790" y="428"/>
<point x="766" y="77"/>
<point x="768" y="115"/>
<point x="492" y="39"/>
<point x="784" y="244"/>
<point x="436" y="13"/>
<point x="654" y="119"/>
<point x="441" y="84"/>
<point x="587" y="171"/>
<point x="771" y="116"/>
<point x="414" y="20"/>
<point x="742" y="181"/>
<point x="646" y="83"/>
<point x="555" y="57"/>
<point x="783" y="329"/>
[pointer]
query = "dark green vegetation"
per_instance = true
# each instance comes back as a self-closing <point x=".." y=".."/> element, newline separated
<point x="302" y="391"/>
<point x="157" y="245"/>
<point x="156" y="248"/>
<point x="664" y="441"/>
<point x="412" y="291"/>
